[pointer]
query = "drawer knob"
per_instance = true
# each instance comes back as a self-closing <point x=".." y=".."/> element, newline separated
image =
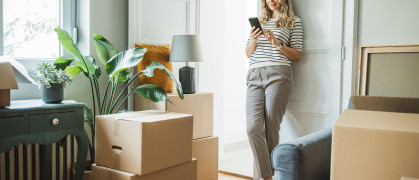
<point x="55" y="121"/>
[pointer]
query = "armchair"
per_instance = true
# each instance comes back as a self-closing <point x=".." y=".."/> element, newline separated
<point x="305" y="158"/>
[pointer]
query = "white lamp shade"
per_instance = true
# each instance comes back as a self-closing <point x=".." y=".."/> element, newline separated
<point x="186" y="48"/>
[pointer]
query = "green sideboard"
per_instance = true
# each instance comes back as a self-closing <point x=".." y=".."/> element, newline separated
<point x="35" y="122"/>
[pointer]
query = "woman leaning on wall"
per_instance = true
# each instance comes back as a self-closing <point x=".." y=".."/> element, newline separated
<point x="269" y="78"/>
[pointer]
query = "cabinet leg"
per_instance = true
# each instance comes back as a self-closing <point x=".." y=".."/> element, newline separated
<point x="82" y="146"/>
<point x="46" y="160"/>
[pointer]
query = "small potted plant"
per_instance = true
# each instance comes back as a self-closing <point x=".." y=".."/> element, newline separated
<point x="53" y="81"/>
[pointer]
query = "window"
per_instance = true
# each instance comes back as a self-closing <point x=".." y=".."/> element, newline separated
<point x="27" y="30"/>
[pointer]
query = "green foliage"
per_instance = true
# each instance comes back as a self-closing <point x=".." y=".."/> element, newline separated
<point x="149" y="71"/>
<point x="124" y="60"/>
<point x="87" y="67"/>
<point x="49" y="74"/>
<point x="117" y="66"/>
<point x="105" y="50"/>
<point x="155" y="93"/>
<point x="62" y="62"/>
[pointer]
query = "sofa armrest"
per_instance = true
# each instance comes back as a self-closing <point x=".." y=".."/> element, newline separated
<point x="305" y="158"/>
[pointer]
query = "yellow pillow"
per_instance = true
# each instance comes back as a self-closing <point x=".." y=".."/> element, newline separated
<point x="161" y="54"/>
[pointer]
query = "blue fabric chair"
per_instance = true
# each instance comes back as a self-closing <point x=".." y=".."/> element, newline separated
<point x="305" y="158"/>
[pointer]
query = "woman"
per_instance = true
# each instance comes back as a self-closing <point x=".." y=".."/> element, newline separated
<point x="269" y="78"/>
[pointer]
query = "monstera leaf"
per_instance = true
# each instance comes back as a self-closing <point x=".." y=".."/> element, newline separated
<point x="152" y="92"/>
<point x="105" y="50"/>
<point x="86" y="66"/>
<point x="124" y="60"/>
<point x="149" y="71"/>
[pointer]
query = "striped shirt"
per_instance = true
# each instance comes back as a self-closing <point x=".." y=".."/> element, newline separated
<point x="267" y="54"/>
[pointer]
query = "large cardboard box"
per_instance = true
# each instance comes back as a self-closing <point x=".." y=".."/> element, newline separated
<point x="7" y="82"/>
<point x="185" y="171"/>
<point x="205" y="150"/>
<point x="375" y="145"/>
<point x="200" y="105"/>
<point x="388" y="104"/>
<point x="143" y="142"/>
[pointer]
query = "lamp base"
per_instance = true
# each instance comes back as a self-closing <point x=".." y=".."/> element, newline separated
<point x="187" y="79"/>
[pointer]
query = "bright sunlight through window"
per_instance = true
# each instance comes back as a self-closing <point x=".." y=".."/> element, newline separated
<point x="28" y="28"/>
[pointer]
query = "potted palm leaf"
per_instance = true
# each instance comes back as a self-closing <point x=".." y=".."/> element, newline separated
<point x="117" y="66"/>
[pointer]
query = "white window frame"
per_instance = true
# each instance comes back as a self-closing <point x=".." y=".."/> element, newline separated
<point x="67" y="22"/>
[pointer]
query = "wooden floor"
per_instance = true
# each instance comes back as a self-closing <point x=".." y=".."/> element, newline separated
<point x="224" y="176"/>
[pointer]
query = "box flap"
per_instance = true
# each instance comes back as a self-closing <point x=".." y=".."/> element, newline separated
<point x="105" y="173"/>
<point x="133" y="114"/>
<point x="389" y="121"/>
<point x="388" y="104"/>
<point x="7" y="76"/>
<point x="184" y="171"/>
<point x="156" y="117"/>
<point x="146" y="116"/>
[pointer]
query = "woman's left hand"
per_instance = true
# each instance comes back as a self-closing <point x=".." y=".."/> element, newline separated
<point x="269" y="35"/>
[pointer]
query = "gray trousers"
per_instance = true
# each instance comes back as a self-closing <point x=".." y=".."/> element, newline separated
<point x="268" y="89"/>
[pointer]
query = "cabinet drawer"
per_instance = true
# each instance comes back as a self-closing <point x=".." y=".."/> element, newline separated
<point x="11" y="126"/>
<point x="44" y="122"/>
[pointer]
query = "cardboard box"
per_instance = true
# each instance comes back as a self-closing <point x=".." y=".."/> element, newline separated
<point x="200" y="105"/>
<point x="388" y="104"/>
<point x="408" y="178"/>
<point x="185" y="171"/>
<point x="205" y="150"/>
<point x="7" y="82"/>
<point x="143" y="142"/>
<point x="369" y="145"/>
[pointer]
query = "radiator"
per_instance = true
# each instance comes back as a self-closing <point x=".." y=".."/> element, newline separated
<point x="27" y="161"/>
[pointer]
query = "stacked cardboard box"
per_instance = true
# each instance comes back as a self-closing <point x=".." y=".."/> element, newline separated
<point x="204" y="145"/>
<point x="379" y="139"/>
<point x="144" y="145"/>
<point x="185" y="171"/>
<point x="7" y="82"/>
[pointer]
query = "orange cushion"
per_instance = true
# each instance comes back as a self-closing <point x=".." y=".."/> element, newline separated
<point x="161" y="54"/>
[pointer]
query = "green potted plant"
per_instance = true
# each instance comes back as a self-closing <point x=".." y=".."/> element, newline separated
<point x="53" y="82"/>
<point x="117" y="66"/>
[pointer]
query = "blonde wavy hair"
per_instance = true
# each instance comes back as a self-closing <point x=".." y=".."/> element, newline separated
<point x="286" y="20"/>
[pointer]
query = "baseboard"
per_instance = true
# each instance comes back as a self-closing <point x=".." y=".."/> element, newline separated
<point x="235" y="140"/>
<point x="234" y="174"/>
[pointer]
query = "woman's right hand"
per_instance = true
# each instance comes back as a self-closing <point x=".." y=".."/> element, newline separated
<point x="255" y="34"/>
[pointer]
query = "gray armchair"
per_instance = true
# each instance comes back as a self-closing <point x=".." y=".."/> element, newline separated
<point x="305" y="158"/>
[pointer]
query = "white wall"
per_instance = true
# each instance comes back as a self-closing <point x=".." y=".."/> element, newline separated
<point x="387" y="22"/>
<point x="224" y="31"/>
<point x="380" y="22"/>
<point x="236" y="64"/>
<point x="211" y="71"/>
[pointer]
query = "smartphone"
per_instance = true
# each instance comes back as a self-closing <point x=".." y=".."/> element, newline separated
<point x="254" y="22"/>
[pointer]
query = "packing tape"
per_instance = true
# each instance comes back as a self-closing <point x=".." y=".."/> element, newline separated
<point x="116" y="127"/>
<point x="117" y="159"/>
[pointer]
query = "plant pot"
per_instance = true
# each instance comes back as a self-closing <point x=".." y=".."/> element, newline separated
<point x="54" y="94"/>
<point x="87" y="173"/>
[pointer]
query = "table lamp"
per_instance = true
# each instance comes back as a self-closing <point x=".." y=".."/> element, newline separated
<point x="186" y="48"/>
